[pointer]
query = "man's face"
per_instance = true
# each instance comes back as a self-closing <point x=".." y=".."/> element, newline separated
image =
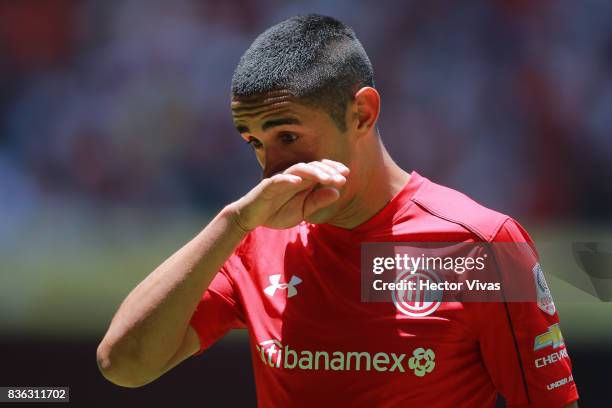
<point x="283" y="132"/>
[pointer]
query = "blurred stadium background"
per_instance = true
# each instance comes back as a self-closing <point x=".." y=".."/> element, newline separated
<point x="116" y="146"/>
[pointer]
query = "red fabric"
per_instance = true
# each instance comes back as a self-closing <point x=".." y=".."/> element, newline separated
<point x="508" y="333"/>
<point x="323" y="347"/>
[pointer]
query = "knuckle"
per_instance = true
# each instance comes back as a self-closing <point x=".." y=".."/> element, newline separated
<point x="331" y="169"/>
<point x="274" y="180"/>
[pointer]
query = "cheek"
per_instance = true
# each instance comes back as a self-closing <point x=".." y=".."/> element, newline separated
<point x="259" y="155"/>
<point x="336" y="148"/>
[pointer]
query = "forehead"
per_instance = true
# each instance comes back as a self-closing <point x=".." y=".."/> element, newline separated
<point x="247" y="104"/>
<point x="259" y="108"/>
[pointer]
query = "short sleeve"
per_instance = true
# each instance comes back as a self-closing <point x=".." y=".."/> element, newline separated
<point x="219" y="309"/>
<point x="521" y="342"/>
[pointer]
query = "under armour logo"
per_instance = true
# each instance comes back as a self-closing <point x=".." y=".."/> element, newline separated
<point x="275" y="284"/>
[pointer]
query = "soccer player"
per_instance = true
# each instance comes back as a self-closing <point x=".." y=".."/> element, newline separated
<point x="283" y="261"/>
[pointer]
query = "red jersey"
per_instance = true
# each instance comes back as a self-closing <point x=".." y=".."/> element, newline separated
<point x="314" y="343"/>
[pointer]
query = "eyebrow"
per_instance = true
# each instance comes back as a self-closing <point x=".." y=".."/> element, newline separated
<point x="271" y="123"/>
<point x="280" y="122"/>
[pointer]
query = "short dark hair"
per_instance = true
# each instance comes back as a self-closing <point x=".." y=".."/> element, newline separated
<point x="318" y="59"/>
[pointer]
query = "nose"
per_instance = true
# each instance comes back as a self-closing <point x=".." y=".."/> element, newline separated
<point x="276" y="160"/>
<point x="273" y="167"/>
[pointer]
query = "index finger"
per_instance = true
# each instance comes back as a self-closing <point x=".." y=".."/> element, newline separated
<point x="343" y="169"/>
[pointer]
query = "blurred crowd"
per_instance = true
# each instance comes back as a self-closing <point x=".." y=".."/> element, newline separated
<point x="126" y="103"/>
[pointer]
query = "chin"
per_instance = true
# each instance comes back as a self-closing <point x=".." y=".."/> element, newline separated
<point x="322" y="216"/>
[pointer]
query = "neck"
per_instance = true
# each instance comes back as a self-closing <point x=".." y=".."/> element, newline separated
<point x="381" y="179"/>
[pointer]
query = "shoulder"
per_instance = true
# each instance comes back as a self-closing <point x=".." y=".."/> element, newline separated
<point x="457" y="208"/>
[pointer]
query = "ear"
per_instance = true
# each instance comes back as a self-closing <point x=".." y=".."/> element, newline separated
<point x="366" y="108"/>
